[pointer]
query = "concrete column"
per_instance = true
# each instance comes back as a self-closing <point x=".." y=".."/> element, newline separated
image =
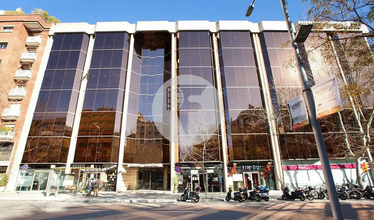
<point x="78" y="112"/>
<point x="29" y="116"/>
<point x="120" y="183"/>
<point x="221" y="110"/>
<point x="174" y="118"/>
<point x="277" y="165"/>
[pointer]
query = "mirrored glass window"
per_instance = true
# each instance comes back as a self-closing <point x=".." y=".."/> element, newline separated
<point x="57" y="97"/>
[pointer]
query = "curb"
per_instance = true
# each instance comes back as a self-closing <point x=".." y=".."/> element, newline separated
<point x="92" y="201"/>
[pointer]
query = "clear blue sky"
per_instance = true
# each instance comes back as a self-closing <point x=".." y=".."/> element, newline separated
<point x="93" y="11"/>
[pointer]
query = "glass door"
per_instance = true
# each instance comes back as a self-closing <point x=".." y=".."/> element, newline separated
<point x="251" y="180"/>
<point x="40" y="181"/>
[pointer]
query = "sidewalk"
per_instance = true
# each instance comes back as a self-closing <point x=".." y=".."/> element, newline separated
<point x="140" y="196"/>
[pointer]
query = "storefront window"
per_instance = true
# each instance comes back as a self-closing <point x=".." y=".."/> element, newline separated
<point x="209" y="179"/>
<point x="25" y="180"/>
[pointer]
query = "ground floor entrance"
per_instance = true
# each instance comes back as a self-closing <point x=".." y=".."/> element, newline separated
<point x="251" y="179"/>
<point x="250" y="174"/>
<point x="209" y="178"/>
<point x="147" y="177"/>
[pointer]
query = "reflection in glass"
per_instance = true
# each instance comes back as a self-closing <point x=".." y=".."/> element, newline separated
<point x="150" y="70"/>
<point x="198" y="113"/>
<point x="100" y="124"/>
<point x="246" y="117"/>
<point x="50" y="130"/>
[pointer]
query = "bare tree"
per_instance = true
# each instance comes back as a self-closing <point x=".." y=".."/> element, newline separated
<point x="200" y="144"/>
<point x="347" y="56"/>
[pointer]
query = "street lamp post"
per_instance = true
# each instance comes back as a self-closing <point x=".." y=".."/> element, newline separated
<point x="308" y="96"/>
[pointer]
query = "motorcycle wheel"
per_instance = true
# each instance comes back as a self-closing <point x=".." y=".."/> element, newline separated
<point x="284" y="197"/>
<point x="227" y="199"/>
<point x="366" y="196"/>
<point x="266" y="199"/>
<point x="321" y="195"/>
<point x="311" y="197"/>
<point x="257" y="198"/>
<point x="343" y="196"/>
<point x="197" y="199"/>
<point x="183" y="198"/>
<point x="302" y="198"/>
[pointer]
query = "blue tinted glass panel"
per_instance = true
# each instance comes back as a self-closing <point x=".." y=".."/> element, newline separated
<point x="68" y="40"/>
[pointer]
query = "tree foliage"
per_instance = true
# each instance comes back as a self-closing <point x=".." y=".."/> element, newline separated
<point x="45" y="15"/>
<point x="348" y="48"/>
<point x="40" y="11"/>
<point x="360" y="11"/>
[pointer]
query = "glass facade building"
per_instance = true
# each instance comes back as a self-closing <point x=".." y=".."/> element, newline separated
<point x="165" y="105"/>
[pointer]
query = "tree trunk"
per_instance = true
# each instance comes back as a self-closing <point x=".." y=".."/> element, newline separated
<point x="358" y="173"/>
<point x="206" y="184"/>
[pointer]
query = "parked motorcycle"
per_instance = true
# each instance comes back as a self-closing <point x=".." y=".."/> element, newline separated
<point x="238" y="196"/>
<point x="342" y="192"/>
<point x="309" y="193"/>
<point x="322" y="193"/>
<point x="354" y="191"/>
<point x="252" y="195"/>
<point x="297" y="194"/>
<point x="369" y="192"/>
<point x="263" y="192"/>
<point x="194" y="196"/>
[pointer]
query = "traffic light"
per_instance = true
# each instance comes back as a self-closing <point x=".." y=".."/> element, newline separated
<point x="365" y="167"/>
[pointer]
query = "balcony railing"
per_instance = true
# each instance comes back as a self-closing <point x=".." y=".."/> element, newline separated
<point x="28" y="57"/>
<point x="10" y="114"/>
<point x="6" y="135"/>
<point x="17" y="94"/>
<point x="22" y="75"/>
<point x="33" y="41"/>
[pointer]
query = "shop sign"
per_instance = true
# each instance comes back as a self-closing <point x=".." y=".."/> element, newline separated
<point x="194" y="172"/>
<point x="209" y="171"/>
<point x="319" y="167"/>
<point x="251" y="167"/>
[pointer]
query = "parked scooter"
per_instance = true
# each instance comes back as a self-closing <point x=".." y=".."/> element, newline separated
<point x="237" y="196"/>
<point x="194" y="196"/>
<point x="252" y="195"/>
<point x="309" y="193"/>
<point x="297" y="194"/>
<point x="263" y="192"/>
<point x="369" y="192"/>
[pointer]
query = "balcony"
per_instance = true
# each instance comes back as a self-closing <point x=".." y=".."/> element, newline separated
<point x="33" y="41"/>
<point x="22" y="75"/>
<point x="28" y="57"/>
<point x="10" y="114"/>
<point x="17" y="94"/>
<point x="6" y="135"/>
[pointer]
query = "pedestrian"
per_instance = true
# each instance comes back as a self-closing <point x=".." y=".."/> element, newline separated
<point x="89" y="186"/>
<point x="96" y="187"/>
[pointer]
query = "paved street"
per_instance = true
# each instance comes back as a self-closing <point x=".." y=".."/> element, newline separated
<point x="274" y="209"/>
